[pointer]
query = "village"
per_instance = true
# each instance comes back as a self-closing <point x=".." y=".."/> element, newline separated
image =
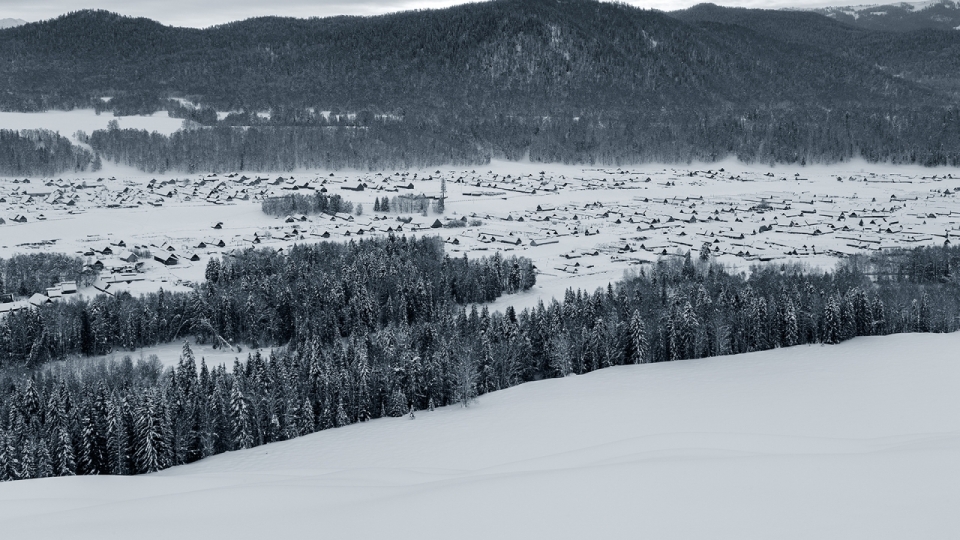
<point x="582" y="227"/>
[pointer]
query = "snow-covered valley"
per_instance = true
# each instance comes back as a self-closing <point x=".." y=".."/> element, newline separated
<point x="518" y="269"/>
<point x="857" y="440"/>
<point x="582" y="227"/>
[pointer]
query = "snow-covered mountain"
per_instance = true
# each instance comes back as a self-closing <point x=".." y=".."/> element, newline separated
<point x="900" y="17"/>
<point x="10" y="23"/>
<point x="857" y="440"/>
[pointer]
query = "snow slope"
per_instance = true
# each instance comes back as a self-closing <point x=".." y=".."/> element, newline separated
<point x="858" y="440"/>
<point x="898" y="16"/>
<point x="11" y="23"/>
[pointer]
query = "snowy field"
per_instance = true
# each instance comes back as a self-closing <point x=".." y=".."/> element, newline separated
<point x="67" y="123"/>
<point x="169" y="354"/>
<point x="583" y="227"/>
<point x="858" y="440"/>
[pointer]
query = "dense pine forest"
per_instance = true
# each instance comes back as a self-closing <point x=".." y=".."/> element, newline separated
<point x="387" y="328"/>
<point x="262" y="298"/>
<point x="575" y="81"/>
<point x="40" y="153"/>
<point x="898" y="135"/>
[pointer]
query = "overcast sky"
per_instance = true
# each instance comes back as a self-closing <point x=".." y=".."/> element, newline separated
<point x="205" y="13"/>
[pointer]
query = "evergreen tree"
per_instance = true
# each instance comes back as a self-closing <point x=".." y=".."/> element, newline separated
<point x="878" y="316"/>
<point x="638" y="339"/>
<point x="831" y="321"/>
<point x="44" y="461"/>
<point x="306" y="419"/>
<point x="64" y="460"/>
<point x="9" y="465"/>
<point x="441" y="202"/>
<point x="118" y="436"/>
<point x="151" y="435"/>
<point x="791" y="330"/>
<point x="28" y="460"/>
<point x="342" y="419"/>
<point x="240" y="416"/>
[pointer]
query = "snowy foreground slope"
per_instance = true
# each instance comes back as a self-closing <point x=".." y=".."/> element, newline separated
<point x="858" y="440"/>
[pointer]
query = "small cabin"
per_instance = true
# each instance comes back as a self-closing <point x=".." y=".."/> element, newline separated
<point x="39" y="300"/>
<point x="128" y="257"/>
<point x="168" y="260"/>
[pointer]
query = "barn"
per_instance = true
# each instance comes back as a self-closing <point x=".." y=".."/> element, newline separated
<point x="168" y="260"/>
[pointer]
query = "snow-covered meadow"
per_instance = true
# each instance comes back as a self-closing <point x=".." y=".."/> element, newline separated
<point x="857" y="440"/>
<point x="68" y="123"/>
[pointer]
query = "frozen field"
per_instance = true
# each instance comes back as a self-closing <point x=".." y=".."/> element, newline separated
<point x="583" y="227"/>
<point x="67" y="123"/>
<point x="858" y="440"/>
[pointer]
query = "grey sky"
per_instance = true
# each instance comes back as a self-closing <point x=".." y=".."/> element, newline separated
<point x="204" y="13"/>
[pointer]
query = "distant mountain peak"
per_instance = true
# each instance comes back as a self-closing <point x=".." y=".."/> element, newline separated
<point x="899" y="16"/>
<point x="10" y="23"/>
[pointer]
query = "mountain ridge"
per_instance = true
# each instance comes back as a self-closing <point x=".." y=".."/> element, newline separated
<point x="900" y="16"/>
<point x="577" y="81"/>
<point x="11" y="23"/>
<point x="535" y="55"/>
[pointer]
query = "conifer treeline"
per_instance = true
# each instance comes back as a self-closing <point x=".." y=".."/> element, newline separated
<point x="760" y="135"/>
<point x="264" y="298"/>
<point x="798" y="135"/>
<point x="127" y="418"/>
<point x="284" y="148"/>
<point x="39" y="152"/>
<point x="297" y="204"/>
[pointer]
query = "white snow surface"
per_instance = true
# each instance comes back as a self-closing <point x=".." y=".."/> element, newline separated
<point x="857" y="10"/>
<point x="10" y="23"/>
<point x="858" y="440"/>
<point x="69" y="122"/>
<point x="912" y="6"/>
<point x="169" y="353"/>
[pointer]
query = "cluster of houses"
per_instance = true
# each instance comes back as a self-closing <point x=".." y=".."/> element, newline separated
<point x="60" y="290"/>
<point x="569" y="220"/>
<point x="789" y="217"/>
<point x="654" y="213"/>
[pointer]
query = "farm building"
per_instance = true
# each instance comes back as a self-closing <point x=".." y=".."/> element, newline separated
<point x="168" y="260"/>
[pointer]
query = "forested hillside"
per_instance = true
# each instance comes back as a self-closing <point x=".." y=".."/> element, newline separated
<point x="928" y="55"/>
<point x="507" y="56"/>
<point x="574" y="81"/>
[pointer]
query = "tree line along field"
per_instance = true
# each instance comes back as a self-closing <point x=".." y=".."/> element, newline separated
<point x="849" y="433"/>
<point x="358" y="352"/>
<point x="377" y="143"/>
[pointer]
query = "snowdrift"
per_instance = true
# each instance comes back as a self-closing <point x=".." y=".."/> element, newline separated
<point x="858" y="440"/>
